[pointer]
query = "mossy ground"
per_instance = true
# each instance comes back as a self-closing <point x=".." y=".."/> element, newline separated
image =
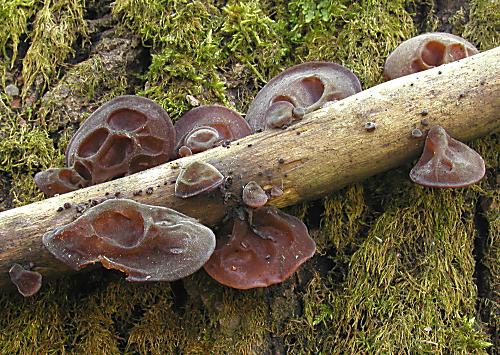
<point x="401" y="261"/>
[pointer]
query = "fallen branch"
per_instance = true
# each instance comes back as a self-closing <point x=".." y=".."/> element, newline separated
<point x="327" y="150"/>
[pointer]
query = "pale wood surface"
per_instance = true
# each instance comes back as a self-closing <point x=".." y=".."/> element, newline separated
<point x="327" y="150"/>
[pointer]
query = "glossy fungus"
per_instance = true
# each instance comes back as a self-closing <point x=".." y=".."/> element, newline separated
<point x="148" y="243"/>
<point x="299" y="90"/>
<point x="447" y="162"/>
<point x="27" y="282"/>
<point x="426" y="51"/>
<point x="207" y="126"/>
<point x="125" y="135"/>
<point x="197" y="177"/>
<point x="262" y="254"/>
<point x="59" y="181"/>
<point x="253" y="195"/>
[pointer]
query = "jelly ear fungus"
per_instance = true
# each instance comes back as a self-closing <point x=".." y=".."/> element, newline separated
<point x="148" y="243"/>
<point x="27" y="282"/>
<point x="197" y="177"/>
<point x="125" y="135"/>
<point x="298" y="90"/>
<point x="262" y="254"/>
<point x="207" y="126"/>
<point x="446" y="162"/>
<point x="426" y="51"/>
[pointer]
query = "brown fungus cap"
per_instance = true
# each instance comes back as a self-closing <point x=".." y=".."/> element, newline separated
<point x="266" y="253"/>
<point x="447" y="162"/>
<point x="426" y="51"/>
<point x="253" y="195"/>
<point x="148" y="243"/>
<point x="125" y="135"/>
<point x="207" y="126"/>
<point x="298" y="90"/>
<point x="197" y="177"/>
<point x="59" y="181"/>
<point x="27" y="282"/>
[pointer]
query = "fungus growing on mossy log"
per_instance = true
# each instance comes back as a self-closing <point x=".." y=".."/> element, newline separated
<point x="148" y="243"/>
<point x="447" y="162"/>
<point x="298" y="90"/>
<point x="261" y="254"/>
<point x="426" y="51"/>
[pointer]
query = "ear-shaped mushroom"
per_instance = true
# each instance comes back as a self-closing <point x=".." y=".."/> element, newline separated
<point x="205" y="127"/>
<point x="253" y="195"/>
<point x="197" y="177"/>
<point x="148" y="243"/>
<point x="125" y="135"/>
<point x="447" y="162"/>
<point x="298" y="90"/>
<point x="27" y="282"/>
<point x="426" y="51"/>
<point x="59" y="181"/>
<point x="265" y="253"/>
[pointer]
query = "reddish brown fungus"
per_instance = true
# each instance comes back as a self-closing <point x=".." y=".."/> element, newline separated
<point x="253" y="195"/>
<point x="125" y="135"/>
<point x="426" y="51"/>
<point x="262" y="254"/>
<point x="207" y="126"/>
<point x="447" y="162"/>
<point x="148" y="243"/>
<point x="299" y="90"/>
<point x="59" y="181"/>
<point x="197" y="177"/>
<point x="27" y="282"/>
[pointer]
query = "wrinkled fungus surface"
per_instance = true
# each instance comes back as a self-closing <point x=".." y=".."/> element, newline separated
<point x="299" y="90"/>
<point x="253" y="195"/>
<point x="266" y="253"/>
<point x="447" y="162"/>
<point x="27" y="282"/>
<point x="148" y="243"/>
<point x="59" y="181"/>
<point x="197" y="177"/>
<point x="207" y="126"/>
<point x="125" y="135"/>
<point x="426" y="51"/>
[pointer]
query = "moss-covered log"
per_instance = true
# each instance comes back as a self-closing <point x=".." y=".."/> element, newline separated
<point x="327" y="150"/>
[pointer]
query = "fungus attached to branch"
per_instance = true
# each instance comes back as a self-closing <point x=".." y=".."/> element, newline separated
<point x="27" y="282"/>
<point x="426" y="51"/>
<point x="447" y="162"/>
<point x="125" y="135"/>
<point x="148" y="243"/>
<point x="59" y="181"/>
<point x="262" y="254"/>
<point x="299" y="90"/>
<point x="207" y="126"/>
<point x="253" y="195"/>
<point x="197" y="177"/>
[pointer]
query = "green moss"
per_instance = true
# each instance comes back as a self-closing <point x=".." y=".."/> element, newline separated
<point x="14" y="17"/>
<point x="357" y="34"/>
<point x="56" y="27"/>
<point x="484" y="21"/>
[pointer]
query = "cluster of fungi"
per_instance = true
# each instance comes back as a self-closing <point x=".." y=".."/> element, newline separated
<point x="261" y="247"/>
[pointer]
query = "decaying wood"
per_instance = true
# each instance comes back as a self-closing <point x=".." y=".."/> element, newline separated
<point x="325" y="151"/>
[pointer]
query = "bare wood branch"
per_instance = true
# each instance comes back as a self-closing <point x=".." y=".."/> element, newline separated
<point x="325" y="151"/>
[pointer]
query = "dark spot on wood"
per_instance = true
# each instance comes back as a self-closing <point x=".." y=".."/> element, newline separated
<point x="281" y="161"/>
<point x="60" y="209"/>
<point x="149" y="190"/>
<point x="425" y="122"/>
<point x="424" y="112"/>
<point x="249" y="145"/>
<point x="67" y="205"/>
